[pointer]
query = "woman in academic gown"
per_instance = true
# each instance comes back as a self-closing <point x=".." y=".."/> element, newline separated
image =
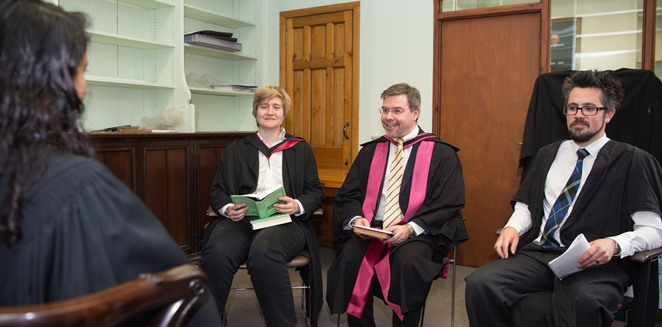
<point x="258" y="162"/>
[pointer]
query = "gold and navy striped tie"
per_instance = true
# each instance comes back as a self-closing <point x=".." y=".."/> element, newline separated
<point x="392" y="212"/>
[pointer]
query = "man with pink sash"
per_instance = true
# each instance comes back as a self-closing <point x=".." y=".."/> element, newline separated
<point x="407" y="182"/>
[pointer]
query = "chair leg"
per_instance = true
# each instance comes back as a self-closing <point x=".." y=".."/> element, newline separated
<point x="422" y="315"/>
<point x="305" y="309"/>
<point x="453" y="287"/>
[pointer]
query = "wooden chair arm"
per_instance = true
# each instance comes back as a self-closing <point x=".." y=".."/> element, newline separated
<point x="646" y="256"/>
<point x="175" y="290"/>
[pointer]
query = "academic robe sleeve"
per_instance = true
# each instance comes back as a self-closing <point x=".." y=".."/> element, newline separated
<point x="236" y="173"/>
<point x="302" y="179"/>
<point x="349" y="199"/>
<point x="441" y="212"/>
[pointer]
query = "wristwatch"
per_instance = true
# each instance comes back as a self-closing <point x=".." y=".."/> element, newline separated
<point x="412" y="232"/>
<point x="618" y="250"/>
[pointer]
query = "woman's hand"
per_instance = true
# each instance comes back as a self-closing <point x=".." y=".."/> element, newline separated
<point x="236" y="212"/>
<point x="286" y="205"/>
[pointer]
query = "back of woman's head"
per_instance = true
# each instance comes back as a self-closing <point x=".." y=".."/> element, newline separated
<point x="41" y="49"/>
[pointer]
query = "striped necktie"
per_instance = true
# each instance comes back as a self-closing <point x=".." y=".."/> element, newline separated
<point x="392" y="212"/>
<point x="562" y="204"/>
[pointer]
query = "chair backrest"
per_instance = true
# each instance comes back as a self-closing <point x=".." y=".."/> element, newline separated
<point x="170" y="295"/>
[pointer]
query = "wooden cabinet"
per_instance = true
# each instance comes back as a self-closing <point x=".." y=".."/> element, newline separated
<point x="171" y="173"/>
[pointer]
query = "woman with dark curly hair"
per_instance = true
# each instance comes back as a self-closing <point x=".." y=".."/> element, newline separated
<point x="68" y="227"/>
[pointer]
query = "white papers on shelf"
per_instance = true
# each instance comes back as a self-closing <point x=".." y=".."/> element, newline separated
<point x="234" y="87"/>
<point x="212" y="42"/>
<point x="566" y="264"/>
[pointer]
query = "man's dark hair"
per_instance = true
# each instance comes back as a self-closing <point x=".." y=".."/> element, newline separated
<point x="610" y="88"/>
<point x="413" y="96"/>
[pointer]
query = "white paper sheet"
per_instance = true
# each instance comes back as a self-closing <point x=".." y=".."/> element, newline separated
<point x="566" y="264"/>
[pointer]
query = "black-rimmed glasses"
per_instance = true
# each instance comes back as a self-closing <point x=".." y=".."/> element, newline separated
<point x="587" y="110"/>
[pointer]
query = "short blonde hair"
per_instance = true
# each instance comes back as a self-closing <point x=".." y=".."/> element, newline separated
<point x="268" y="92"/>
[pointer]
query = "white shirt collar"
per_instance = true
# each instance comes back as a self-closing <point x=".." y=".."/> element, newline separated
<point x="279" y="139"/>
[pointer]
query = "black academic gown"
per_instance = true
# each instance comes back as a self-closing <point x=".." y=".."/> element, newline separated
<point x="440" y="216"/>
<point x="83" y="231"/>
<point x="637" y="122"/>
<point x="238" y="174"/>
<point x="624" y="179"/>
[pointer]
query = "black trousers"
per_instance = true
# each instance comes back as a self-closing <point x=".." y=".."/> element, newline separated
<point x="266" y="253"/>
<point x="523" y="291"/>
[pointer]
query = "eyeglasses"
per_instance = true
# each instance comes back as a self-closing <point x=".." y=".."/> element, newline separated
<point x="587" y="110"/>
<point x="395" y="111"/>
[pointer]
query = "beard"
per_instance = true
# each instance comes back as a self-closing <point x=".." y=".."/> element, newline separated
<point x="579" y="136"/>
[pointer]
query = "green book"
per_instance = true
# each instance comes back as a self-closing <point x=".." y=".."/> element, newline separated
<point x="260" y="204"/>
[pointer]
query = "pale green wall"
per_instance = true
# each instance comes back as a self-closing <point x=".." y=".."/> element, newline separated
<point x="396" y="46"/>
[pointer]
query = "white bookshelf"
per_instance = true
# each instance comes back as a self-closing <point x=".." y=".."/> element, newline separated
<point x="139" y="64"/>
<point x="222" y="109"/>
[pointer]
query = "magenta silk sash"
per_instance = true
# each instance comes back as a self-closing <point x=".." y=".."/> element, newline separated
<point x="376" y="260"/>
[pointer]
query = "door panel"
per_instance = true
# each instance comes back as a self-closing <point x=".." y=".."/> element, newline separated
<point x="483" y="91"/>
<point x="166" y="186"/>
<point x="319" y="61"/>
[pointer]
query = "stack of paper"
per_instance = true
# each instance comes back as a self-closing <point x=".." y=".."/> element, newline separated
<point x="213" y="39"/>
<point x="566" y="264"/>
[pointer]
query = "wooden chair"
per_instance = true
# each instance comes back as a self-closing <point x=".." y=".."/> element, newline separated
<point x="297" y="263"/>
<point x="647" y="260"/>
<point x="170" y="295"/>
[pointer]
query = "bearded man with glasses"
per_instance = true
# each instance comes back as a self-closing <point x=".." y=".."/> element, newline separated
<point x="610" y="192"/>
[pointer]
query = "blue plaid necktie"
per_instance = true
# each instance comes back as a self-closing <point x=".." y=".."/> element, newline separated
<point x="560" y="208"/>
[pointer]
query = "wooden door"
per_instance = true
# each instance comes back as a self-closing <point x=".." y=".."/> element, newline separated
<point x="486" y="64"/>
<point x="319" y="69"/>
